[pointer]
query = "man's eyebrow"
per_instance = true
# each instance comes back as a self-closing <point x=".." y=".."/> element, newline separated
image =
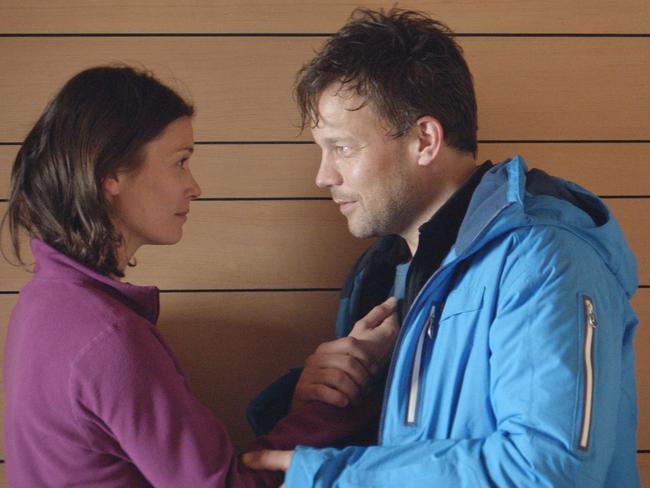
<point x="335" y="139"/>
<point x="186" y="148"/>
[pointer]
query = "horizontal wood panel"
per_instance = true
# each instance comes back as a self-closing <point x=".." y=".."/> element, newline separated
<point x="528" y="88"/>
<point x="284" y="244"/>
<point x="281" y="245"/>
<point x="605" y="169"/>
<point x="233" y="345"/>
<point x="215" y="335"/>
<point x="288" y="170"/>
<point x="633" y="215"/>
<point x="644" y="468"/>
<point x="244" y="244"/>
<point x="228" y="171"/>
<point x="580" y="16"/>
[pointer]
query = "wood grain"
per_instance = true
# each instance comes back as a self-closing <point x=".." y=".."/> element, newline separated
<point x="288" y="170"/>
<point x="244" y="244"/>
<point x="527" y="88"/>
<point x="214" y="16"/>
<point x="284" y="244"/>
<point x="644" y="468"/>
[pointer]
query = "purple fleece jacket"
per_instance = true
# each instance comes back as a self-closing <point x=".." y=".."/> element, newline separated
<point x="95" y="397"/>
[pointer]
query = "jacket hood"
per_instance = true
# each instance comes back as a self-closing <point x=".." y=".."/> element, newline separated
<point x="532" y="197"/>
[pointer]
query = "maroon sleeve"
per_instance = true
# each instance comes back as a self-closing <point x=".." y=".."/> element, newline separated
<point x="315" y="424"/>
<point x="318" y="424"/>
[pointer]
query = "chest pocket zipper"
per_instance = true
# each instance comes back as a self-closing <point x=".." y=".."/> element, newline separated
<point x="590" y="329"/>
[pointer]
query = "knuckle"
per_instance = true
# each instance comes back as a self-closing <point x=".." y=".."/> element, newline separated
<point x="352" y="342"/>
<point x="338" y="376"/>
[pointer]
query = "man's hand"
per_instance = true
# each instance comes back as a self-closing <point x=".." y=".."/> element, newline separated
<point x="339" y="371"/>
<point x="378" y="331"/>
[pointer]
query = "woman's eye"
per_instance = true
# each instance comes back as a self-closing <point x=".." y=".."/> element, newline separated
<point x="181" y="164"/>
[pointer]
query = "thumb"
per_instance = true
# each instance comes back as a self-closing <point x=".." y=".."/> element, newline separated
<point x="379" y="313"/>
<point x="267" y="459"/>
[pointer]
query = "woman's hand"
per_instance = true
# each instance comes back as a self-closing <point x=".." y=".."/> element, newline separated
<point x="268" y="460"/>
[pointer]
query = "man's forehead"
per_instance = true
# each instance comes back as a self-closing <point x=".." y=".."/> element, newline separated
<point x="338" y="104"/>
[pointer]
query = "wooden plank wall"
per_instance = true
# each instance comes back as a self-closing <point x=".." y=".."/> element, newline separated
<point x="252" y="288"/>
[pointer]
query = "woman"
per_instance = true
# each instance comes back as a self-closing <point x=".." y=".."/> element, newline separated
<point x="94" y="396"/>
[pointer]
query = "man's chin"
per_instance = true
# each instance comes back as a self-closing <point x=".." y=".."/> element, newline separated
<point x="360" y="232"/>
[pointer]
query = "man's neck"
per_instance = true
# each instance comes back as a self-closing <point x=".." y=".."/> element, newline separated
<point x="463" y="169"/>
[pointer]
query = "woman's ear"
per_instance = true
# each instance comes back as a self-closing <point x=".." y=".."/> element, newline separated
<point x="111" y="185"/>
<point x="430" y="139"/>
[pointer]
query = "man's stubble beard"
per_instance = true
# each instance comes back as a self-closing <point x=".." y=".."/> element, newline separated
<point x="393" y="215"/>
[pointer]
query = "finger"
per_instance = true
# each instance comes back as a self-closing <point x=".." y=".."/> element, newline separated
<point x="347" y="345"/>
<point x="319" y="393"/>
<point x="268" y="459"/>
<point x="389" y="327"/>
<point x="350" y="365"/>
<point x="377" y="315"/>
<point x="322" y="393"/>
<point x="318" y="387"/>
<point x="337" y="380"/>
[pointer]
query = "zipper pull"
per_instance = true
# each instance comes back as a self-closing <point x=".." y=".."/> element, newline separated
<point x="590" y="313"/>
<point x="431" y="322"/>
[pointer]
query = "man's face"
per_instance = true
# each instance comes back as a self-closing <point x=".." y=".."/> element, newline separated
<point x="370" y="174"/>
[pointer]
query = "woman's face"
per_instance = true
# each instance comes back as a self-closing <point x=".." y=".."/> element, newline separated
<point x="150" y="205"/>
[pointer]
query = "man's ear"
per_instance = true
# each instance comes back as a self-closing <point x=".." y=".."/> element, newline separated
<point x="111" y="185"/>
<point x="430" y="139"/>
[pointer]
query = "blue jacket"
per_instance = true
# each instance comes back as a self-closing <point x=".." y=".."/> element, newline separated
<point x="515" y="364"/>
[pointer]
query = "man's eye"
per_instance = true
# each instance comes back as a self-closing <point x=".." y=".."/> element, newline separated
<point x="181" y="164"/>
<point x="343" y="150"/>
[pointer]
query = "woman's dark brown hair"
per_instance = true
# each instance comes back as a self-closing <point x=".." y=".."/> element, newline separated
<point x="95" y="126"/>
<point x="405" y="65"/>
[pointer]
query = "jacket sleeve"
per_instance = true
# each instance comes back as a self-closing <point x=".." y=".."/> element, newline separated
<point x="132" y="402"/>
<point x="554" y="427"/>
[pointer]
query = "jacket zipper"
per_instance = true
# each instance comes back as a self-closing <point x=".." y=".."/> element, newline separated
<point x="590" y="330"/>
<point x="414" y="389"/>
<point x="401" y="333"/>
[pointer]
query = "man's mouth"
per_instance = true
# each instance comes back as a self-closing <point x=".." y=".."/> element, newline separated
<point x="345" y="206"/>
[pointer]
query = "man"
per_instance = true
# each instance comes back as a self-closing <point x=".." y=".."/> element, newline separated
<point x="514" y="365"/>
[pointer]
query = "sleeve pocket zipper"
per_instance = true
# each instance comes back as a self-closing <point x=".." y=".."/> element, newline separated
<point x="590" y="330"/>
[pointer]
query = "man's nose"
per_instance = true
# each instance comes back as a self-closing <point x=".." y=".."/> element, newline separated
<point x="328" y="175"/>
